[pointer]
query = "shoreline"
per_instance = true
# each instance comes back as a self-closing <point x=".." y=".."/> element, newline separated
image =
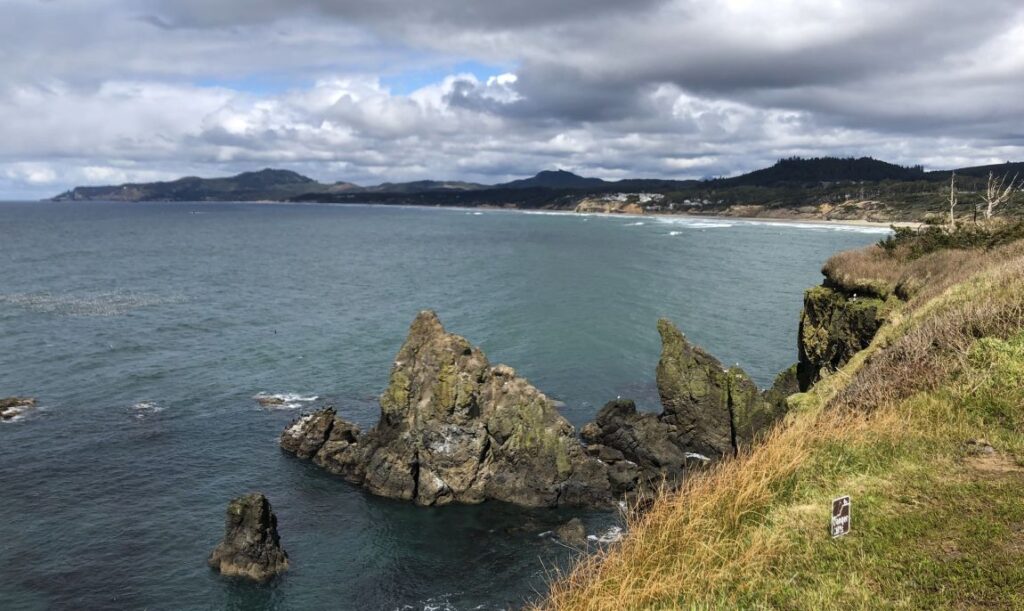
<point x="489" y="208"/>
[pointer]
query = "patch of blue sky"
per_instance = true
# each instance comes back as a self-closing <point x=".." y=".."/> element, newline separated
<point x="406" y="81"/>
<point x="257" y="84"/>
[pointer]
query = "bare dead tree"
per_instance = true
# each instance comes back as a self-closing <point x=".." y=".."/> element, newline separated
<point x="998" y="192"/>
<point x="953" y="201"/>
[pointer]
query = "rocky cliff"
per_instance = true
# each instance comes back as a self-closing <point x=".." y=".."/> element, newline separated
<point x="454" y="428"/>
<point x="835" y="324"/>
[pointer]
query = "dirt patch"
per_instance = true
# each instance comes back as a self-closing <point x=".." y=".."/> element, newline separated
<point x="994" y="464"/>
<point x="951" y="550"/>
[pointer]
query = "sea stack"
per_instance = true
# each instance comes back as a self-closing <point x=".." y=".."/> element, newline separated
<point x="708" y="412"/>
<point x="454" y="428"/>
<point x="251" y="547"/>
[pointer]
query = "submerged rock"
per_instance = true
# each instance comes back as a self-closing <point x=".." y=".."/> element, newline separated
<point x="454" y="428"/>
<point x="251" y="547"/>
<point x="12" y="406"/>
<point x="572" y="533"/>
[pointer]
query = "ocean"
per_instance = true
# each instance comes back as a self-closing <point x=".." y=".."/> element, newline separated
<point x="146" y="331"/>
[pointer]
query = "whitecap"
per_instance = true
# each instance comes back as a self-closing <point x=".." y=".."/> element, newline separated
<point x="636" y="224"/>
<point x="283" y="400"/>
<point x="145" y="408"/>
<point x="675" y="233"/>
<point x="612" y="535"/>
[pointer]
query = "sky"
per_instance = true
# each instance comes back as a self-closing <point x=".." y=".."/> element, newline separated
<point x="110" y="91"/>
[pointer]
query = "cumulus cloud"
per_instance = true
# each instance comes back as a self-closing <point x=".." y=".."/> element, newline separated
<point x="97" y="91"/>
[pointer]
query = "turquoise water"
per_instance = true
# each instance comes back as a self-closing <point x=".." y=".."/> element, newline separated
<point x="145" y="330"/>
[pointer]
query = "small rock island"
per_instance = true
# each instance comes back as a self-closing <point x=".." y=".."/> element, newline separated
<point x="251" y="547"/>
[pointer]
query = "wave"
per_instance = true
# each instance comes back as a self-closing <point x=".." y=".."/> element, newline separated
<point x="145" y="408"/>
<point x="612" y="535"/>
<point x="115" y="303"/>
<point x="692" y="223"/>
<point x="18" y="414"/>
<point x="436" y="603"/>
<point x="283" y="400"/>
<point x="823" y="226"/>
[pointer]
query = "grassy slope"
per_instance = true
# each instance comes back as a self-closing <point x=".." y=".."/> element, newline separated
<point x="935" y="524"/>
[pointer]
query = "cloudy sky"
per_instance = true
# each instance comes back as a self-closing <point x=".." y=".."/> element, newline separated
<point x="107" y="91"/>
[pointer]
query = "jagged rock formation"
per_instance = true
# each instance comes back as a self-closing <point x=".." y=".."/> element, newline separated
<point x="640" y="449"/>
<point x="251" y="547"/>
<point x="786" y="383"/>
<point x="834" y="326"/>
<point x="708" y="412"/>
<point x="12" y="406"/>
<point x="454" y="428"/>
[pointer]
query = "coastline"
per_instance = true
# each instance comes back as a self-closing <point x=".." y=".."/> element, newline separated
<point x="862" y="223"/>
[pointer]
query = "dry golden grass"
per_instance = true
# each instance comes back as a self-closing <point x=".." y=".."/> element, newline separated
<point x="936" y="339"/>
<point x="705" y="532"/>
<point x="872" y="270"/>
<point x="750" y="531"/>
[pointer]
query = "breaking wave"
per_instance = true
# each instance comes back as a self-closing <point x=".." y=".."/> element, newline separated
<point x="283" y="400"/>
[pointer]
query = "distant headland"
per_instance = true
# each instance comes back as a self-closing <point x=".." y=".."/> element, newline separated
<point x="826" y="188"/>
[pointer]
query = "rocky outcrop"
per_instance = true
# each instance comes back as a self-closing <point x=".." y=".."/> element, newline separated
<point x="251" y="547"/>
<point x="640" y="449"/>
<point x="694" y="390"/>
<point x="12" y="406"/>
<point x="786" y="383"/>
<point x="454" y="428"/>
<point x="708" y="412"/>
<point x="834" y="326"/>
<point x="573" y="533"/>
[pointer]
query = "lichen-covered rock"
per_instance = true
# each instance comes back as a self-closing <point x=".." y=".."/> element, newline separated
<point x="251" y="547"/>
<point x="751" y="413"/>
<point x="834" y="326"/>
<point x="453" y="428"/>
<point x="786" y="383"/>
<point x="694" y="390"/>
<point x="708" y="412"/>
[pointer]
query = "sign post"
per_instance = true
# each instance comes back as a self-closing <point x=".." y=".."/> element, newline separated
<point x="840" y="516"/>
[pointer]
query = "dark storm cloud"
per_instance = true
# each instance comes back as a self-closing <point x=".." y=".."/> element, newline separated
<point x="399" y="15"/>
